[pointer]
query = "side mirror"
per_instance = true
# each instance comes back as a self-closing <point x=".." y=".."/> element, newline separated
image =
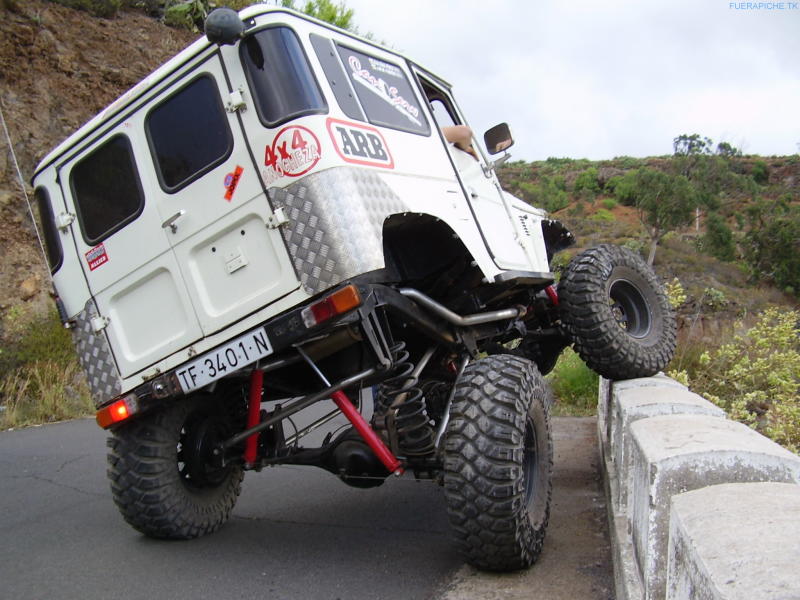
<point x="498" y="138"/>
<point x="224" y="27"/>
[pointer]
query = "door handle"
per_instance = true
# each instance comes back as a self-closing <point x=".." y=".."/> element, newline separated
<point x="171" y="221"/>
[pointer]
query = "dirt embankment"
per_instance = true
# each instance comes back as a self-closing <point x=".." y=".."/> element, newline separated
<point x="59" y="67"/>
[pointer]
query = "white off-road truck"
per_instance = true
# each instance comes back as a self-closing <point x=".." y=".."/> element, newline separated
<point x="269" y="241"/>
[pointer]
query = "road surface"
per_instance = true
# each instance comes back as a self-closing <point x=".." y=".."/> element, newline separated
<point x="296" y="533"/>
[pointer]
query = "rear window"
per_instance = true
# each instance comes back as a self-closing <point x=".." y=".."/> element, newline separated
<point x="283" y="85"/>
<point x="384" y="91"/>
<point x="189" y="134"/>
<point x="106" y="188"/>
<point x="47" y="223"/>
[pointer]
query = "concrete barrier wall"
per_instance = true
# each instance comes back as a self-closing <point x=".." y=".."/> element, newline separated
<point x="681" y="482"/>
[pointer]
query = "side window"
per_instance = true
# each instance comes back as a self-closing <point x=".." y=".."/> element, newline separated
<point x="443" y="112"/>
<point x="52" y="244"/>
<point x="337" y="78"/>
<point x="280" y="77"/>
<point x="107" y="191"/>
<point x="189" y="134"/>
<point x="384" y="92"/>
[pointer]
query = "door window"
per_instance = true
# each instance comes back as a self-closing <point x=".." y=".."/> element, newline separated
<point x="107" y="191"/>
<point x="189" y="134"/>
<point x="283" y="85"/>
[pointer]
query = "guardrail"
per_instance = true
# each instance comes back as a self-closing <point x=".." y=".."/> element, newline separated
<point x="699" y="506"/>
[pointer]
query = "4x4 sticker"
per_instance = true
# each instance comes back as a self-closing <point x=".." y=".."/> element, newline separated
<point x="96" y="256"/>
<point x="360" y="144"/>
<point x="294" y="152"/>
<point x="231" y="181"/>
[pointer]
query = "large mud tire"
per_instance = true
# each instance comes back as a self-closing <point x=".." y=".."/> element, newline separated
<point x="616" y="313"/>
<point x="160" y="484"/>
<point x="498" y="463"/>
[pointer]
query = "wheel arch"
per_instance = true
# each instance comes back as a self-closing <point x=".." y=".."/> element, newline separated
<point x="420" y="247"/>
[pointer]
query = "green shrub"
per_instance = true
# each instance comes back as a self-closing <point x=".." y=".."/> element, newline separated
<point x="43" y="392"/>
<point x="574" y="385"/>
<point x="603" y="216"/>
<point x="548" y="194"/>
<point x="756" y="377"/>
<point x="587" y="181"/>
<point x="675" y="293"/>
<point x="32" y="338"/>
<point x="40" y="380"/>
<point x="610" y="204"/>
<point x="760" y="172"/>
<point x="718" y="239"/>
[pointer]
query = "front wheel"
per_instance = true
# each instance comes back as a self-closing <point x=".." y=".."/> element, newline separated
<point x="498" y="463"/>
<point x="163" y="476"/>
<point x="616" y="313"/>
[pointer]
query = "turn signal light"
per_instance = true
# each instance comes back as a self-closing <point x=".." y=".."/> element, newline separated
<point x="338" y="303"/>
<point x="116" y="412"/>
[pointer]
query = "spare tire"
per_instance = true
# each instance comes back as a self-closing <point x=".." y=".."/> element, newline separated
<point x="616" y="313"/>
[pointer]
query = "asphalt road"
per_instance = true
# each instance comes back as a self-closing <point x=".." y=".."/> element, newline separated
<point x="296" y="533"/>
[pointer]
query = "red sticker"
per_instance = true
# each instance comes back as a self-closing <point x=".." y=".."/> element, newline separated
<point x="96" y="256"/>
<point x="231" y="181"/>
<point x="360" y="144"/>
<point x="294" y="152"/>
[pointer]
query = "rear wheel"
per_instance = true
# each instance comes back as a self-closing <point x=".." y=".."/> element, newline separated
<point x="617" y="315"/>
<point x="163" y="476"/>
<point x="498" y="463"/>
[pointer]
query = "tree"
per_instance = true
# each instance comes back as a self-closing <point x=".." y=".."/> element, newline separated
<point x="772" y="243"/>
<point x="726" y="150"/>
<point x="691" y="145"/>
<point x="325" y="10"/>
<point x="664" y="202"/>
<point x="718" y="240"/>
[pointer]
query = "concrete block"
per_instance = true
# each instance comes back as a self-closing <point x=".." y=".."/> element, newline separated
<point x="620" y="387"/>
<point x="603" y="414"/>
<point x="735" y="541"/>
<point x="678" y="453"/>
<point x="635" y="403"/>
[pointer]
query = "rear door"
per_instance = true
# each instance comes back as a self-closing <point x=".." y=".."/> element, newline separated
<point x="211" y="201"/>
<point x="173" y="223"/>
<point x="125" y="254"/>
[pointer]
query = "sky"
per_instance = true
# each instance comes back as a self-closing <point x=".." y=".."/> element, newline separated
<point x="604" y="78"/>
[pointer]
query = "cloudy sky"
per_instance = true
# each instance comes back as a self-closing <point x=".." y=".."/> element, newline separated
<point x="604" y="78"/>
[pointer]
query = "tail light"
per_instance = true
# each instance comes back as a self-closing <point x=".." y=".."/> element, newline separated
<point x="117" y="411"/>
<point x="338" y="303"/>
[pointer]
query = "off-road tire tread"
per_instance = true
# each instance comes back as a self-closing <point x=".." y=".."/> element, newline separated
<point x="483" y="474"/>
<point x="588" y="321"/>
<point x="146" y="485"/>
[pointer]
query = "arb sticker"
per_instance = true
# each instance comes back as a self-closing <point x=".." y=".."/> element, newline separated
<point x="360" y="144"/>
<point x="294" y="152"/>
<point x="96" y="256"/>
<point x="231" y="181"/>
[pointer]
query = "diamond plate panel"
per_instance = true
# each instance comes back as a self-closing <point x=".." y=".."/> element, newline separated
<point x="335" y="224"/>
<point x="95" y="357"/>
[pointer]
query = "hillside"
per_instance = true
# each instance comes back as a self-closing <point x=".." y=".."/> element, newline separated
<point x="718" y="292"/>
<point x="58" y="67"/>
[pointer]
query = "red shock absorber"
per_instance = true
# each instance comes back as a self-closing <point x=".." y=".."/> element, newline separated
<point x="375" y="443"/>
<point x="253" y="415"/>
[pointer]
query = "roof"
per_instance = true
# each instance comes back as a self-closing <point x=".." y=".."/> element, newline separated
<point x="193" y="50"/>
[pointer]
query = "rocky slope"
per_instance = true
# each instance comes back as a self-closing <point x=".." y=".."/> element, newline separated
<point x="58" y="67"/>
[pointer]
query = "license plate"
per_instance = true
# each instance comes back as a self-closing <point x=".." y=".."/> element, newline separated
<point x="224" y="360"/>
